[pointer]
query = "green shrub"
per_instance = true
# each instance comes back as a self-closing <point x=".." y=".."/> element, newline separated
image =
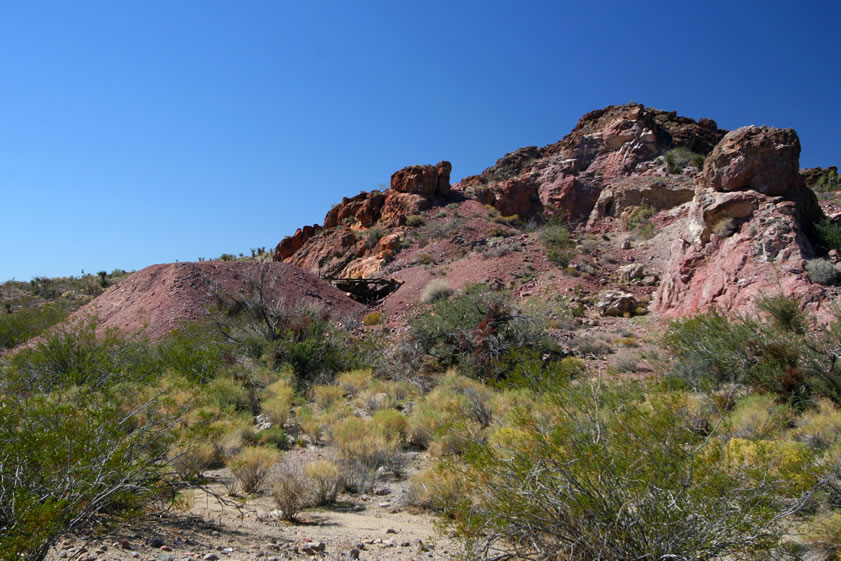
<point x="71" y="460"/>
<point x="785" y="312"/>
<point x="25" y="323"/>
<point x="373" y="318"/>
<point x="678" y="158"/>
<point x="556" y="240"/>
<point x="414" y="221"/>
<point x="474" y="329"/>
<point x="822" y="271"/>
<point x="612" y="473"/>
<point x="639" y="217"/>
<point x="828" y="234"/>
<point x="711" y="349"/>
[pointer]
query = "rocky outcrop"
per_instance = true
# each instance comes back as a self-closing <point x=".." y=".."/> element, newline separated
<point x="747" y="231"/>
<point x="428" y="181"/>
<point x="762" y="159"/>
<point x="343" y="236"/>
<point x="605" y="147"/>
<point x="655" y="192"/>
<point x="290" y="244"/>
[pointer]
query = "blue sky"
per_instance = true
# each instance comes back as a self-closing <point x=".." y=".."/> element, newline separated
<point x="134" y="133"/>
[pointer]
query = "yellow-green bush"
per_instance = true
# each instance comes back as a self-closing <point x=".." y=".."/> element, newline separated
<point x="758" y="416"/>
<point x="326" y="480"/>
<point x="251" y="466"/>
<point x="820" y="426"/>
<point x="327" y="395"/>
<point x="391" y="424"/>
<point x="436" y="488"/>
<point x="355" y="381"/>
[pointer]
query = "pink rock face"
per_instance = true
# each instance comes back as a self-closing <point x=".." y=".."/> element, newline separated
<point x="764" y="159"/>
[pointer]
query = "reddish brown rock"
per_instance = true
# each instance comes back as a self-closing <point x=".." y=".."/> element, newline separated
<point x="764" y="159"/>
<point x="400" y="205"/>
<point x="290" y="244"/>
<point x="428" y="181"/>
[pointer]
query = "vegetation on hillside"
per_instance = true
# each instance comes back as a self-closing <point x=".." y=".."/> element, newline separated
<point x="731" y="451"/>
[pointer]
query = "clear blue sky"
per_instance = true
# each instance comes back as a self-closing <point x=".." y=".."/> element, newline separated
<point x="141" y="132"/>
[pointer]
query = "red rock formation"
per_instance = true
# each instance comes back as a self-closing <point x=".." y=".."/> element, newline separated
<point x="429" y="181"/>
<point x="764" y="159"/>
<point x="740" y="245"/>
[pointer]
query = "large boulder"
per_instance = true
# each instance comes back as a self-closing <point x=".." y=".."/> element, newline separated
<point x="428" y="181"/>
<point x="747" y="231"/>
<point x="763" y="159"/>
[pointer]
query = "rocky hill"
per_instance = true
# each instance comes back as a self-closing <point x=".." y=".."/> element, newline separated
<point x="727" y="217"/>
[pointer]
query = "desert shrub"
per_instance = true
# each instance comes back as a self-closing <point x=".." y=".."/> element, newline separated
<point x="615" y="474"/>
<point x="437" y="488"/>
<point x="626" y="361"/>
<point x="474" y="330"/>
<point x="374" y="318"/>
<point x="824" y="532"/>
<point x="67" y="461"/>
<point x="298" y="335"/>
<point x="362" y="450"/>
<point x="326" y="395"/>
<point x="822" y="271"/>
<point x="639" y="216"/>
<point x="290" y="490"/>
<point x="278" y="407"/>
<point x="819" y="426"/>
<point x="354" y="381"/>
<point x="757" y="416"/>
<point x="436" y="289"/>
<point x="25" y="323"/>
<point x="555" y="238"/>
<point x="828" y="234"/>
<point x="195" y="351"/>
<point x="227" y="394"/>
<point x="273" y="437"/>
<point x="678" y="158"/>
<point x="711" y="349"/>
<point x="785" y="312"/>
<point x="309" y="423"/>
<point x="251" y="466"/>
<point x="391" y="424"/>
<point x="191" y="460"/>
<point x="414" y="221"/>
<point x="326" y="480"/>
<point x="830" y="181"/>
<point x="592" y="345"/>
<point x="74" y="355"/>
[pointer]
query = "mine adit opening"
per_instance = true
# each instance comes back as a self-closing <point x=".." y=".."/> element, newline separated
<point x="365" y="291"/>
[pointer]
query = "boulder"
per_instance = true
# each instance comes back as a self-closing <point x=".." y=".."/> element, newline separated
<point x="764" y="159"/>
<point x="616" y="303"/>
<point x="427" y="181"/>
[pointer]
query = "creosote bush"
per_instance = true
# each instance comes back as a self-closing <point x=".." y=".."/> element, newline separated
<point x="555" y="238"/>
<point x="612" y="472"/>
